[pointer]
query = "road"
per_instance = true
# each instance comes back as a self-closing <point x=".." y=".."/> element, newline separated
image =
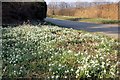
<point x="111" y="30"/>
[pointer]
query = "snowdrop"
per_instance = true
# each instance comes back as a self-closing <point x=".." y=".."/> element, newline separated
<point x="57" y="52"/>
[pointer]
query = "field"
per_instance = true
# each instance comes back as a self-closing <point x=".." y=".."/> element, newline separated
<point x="54" y="52"/>
<point x="93" y="20"/>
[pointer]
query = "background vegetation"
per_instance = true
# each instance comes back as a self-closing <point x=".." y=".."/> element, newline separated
<point x="106" y="10"/>
<point x="93" y="20"/>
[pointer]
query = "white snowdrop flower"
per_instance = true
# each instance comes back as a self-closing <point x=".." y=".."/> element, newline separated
<point x="53" y="72"/>
<point x="76" y="54"/>
<point x="52" y="56"/>
<point x="86" y="52"/>
<point x="116" y="57"/>
<point x="92" y="61"/>
<point x="82" y="53"/>
<point x="77" y="71"/>
<point x="107" y="60"/>
<point x="50" y="59"/>
<point x="72" y="69"/>
<point x="88" y="75"/>
<point x="60" y="65"/>
<point x="63" y="66"/>
<point x="14" y="61"/>
<point x="112" y="73"/>
<point x="104" y="55"/>
<point x="20" y="70"/>
<point x="10" y="62"/>
<point x="77" y="76"/>
<point x="52" y="76"/>
<point x="57" y="76"/>
<point x="50" y="69"/>
<point x="59" y="68"/>
<point x="65" y="76"/>
<point x="102" y="58"/>
<point x="118" y="63"/>
<point x="55" y="53"/>
<point x="102" y="66"/>
<point x="104" y="71"/>
<point x="21" y="67"/>
<point x="97" y="56"/>
<point x="78" y="61"/>
<point x="67" y="71"/>
<point x="19" y="73"/>
<point x="14" y="71"/>
<point x="56" y="71"/>
<point x="69" y="51"/>
<point x="117" y="72"/>
<point x="79" y="53"/>
<point x="49" y="65"/>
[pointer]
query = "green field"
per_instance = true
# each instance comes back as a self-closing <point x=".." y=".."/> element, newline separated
<point x="94" y="20"/>
<point x="54" y="52"/>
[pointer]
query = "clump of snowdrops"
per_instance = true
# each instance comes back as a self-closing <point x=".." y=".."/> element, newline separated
<point x="54" y="52"/>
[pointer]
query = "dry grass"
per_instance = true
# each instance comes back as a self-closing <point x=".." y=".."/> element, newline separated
<point x="107" y="11"/>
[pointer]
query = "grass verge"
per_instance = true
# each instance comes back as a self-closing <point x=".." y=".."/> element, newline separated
<point x="94" y="20"/>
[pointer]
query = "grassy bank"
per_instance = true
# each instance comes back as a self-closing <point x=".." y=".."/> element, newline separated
<point x="94" y="20"/>
<point x="54" y="52"/>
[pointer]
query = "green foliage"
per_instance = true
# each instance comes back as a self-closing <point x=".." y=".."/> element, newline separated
<point x="53" y="52"/>
<point x="110" y="21"/>
<point x="94" y="20"/>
